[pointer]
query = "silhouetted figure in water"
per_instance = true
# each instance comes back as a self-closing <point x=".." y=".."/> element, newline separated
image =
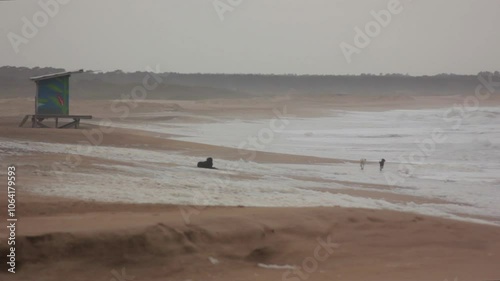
<point x="382" y="162"/>
<point x="209" y="164"/>
<point x="362" y="163"/>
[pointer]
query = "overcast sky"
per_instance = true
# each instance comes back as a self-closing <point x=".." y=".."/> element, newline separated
<point x="256" y="36"/>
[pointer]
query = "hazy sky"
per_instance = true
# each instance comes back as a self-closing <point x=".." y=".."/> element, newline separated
<point x="256" y="36"/>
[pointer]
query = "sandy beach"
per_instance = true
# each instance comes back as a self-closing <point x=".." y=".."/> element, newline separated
<point x="232" y="140"/>
<point x="129" y="204"/>
<point x="59" y="237"/>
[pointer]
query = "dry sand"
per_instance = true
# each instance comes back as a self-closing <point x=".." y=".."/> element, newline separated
<point x="67" y="239"/>
<point x="60" y="239"/>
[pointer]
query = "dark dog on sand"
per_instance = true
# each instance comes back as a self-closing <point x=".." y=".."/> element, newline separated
<point x="209" y="164"/>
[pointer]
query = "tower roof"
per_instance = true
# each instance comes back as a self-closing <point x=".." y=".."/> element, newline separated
<point x="54" y="75"/>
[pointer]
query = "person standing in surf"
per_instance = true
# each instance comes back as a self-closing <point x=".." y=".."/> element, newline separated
<point x="362" y="163"/>
<point x="382" y="162"/>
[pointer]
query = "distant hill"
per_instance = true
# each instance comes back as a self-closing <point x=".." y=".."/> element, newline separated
<point x="14" y="82"/>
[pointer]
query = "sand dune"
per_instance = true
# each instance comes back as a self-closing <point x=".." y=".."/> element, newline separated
<point x="59" y="236"/>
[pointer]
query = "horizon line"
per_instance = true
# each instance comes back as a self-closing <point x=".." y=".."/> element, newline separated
<point x="381" y="74"/>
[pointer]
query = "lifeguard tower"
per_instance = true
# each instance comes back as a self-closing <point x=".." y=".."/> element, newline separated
<point x="52" y="101"/>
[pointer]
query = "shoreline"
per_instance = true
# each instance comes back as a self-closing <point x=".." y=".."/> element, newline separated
<point x="59" y="236"/>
